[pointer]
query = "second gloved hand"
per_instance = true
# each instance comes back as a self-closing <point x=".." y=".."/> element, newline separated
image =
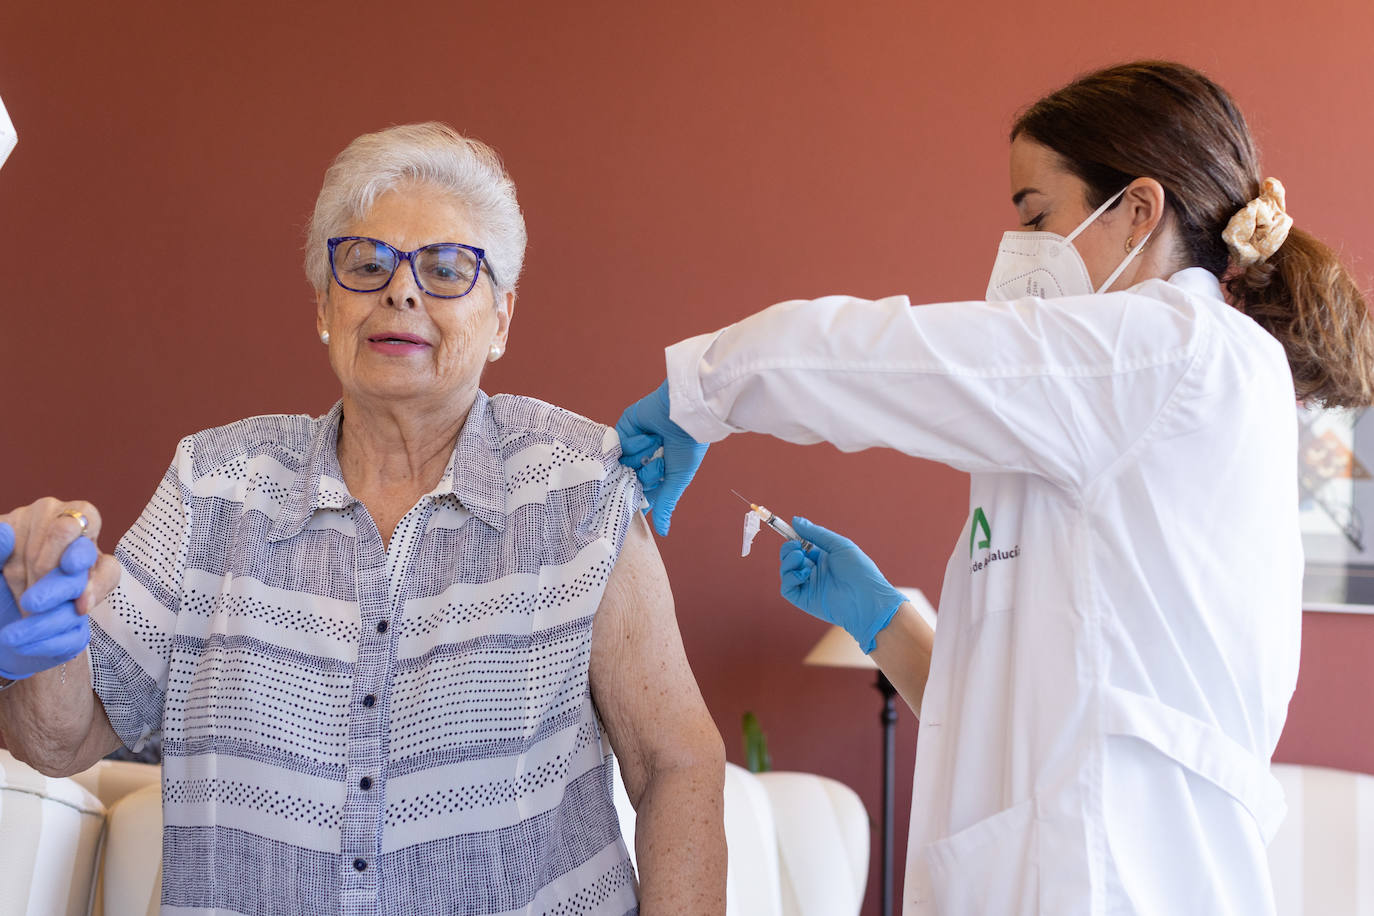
<point x="837" y="582"/>
<point x="645" y="427"/>
<point x="52" y="632"/>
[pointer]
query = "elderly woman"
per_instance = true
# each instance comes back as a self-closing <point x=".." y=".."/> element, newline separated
<point x="386" y="648"/>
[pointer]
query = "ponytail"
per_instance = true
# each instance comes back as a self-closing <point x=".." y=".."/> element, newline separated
<point x="1310" y="303"/>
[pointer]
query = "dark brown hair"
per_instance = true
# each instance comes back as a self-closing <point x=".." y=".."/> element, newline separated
<point x="1161" y="120"/>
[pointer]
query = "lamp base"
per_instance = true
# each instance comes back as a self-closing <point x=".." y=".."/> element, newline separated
<point x="888" y="719"/>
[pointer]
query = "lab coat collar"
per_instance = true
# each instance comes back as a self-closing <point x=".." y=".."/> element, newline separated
<point x="480" y="487"/>
<point x="1198" y="280"/>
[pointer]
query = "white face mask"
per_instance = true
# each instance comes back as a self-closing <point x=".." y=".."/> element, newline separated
<point x="1045" y="265"/>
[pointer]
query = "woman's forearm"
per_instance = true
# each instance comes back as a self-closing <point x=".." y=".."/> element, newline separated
<point x="903" y="653"/>
<point x="53" y="722"/>
<point x="680" y="841"/>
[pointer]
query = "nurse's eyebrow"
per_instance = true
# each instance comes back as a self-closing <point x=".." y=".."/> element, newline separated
<point x="1021" y="195"/>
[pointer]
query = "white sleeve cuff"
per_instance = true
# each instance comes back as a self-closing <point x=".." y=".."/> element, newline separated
<point x="686" y="402"/>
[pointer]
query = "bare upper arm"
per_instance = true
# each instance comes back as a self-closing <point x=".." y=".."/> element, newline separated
<point x="640" y="679"/>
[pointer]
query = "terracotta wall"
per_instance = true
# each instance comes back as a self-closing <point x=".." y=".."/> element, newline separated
<point x="680" y="165"/>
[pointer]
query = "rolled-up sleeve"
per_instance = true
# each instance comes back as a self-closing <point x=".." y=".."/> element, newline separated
<point x="133" y="629"/>
<point x="618" y="497"/>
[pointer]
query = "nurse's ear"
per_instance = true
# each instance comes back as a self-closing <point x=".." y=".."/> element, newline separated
<point x="1142" y="210"/>
<point x="1141" y="231"/>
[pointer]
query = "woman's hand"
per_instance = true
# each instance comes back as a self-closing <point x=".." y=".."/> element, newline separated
<point x="662" y="453"/>
<point x="837" y="582"/>
<point x="51" y="719"/>
<point x="49" y="631"/>
<point x="43" y="531"/>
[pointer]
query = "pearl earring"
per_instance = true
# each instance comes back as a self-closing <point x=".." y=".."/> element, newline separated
<point x="324" y="338"/>
<point x="495" y="353"/>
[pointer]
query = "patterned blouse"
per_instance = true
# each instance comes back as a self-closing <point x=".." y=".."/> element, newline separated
<point x="354" y="729"/>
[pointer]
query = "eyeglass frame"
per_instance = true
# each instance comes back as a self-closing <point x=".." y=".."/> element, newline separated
<point x="481" y="254"/>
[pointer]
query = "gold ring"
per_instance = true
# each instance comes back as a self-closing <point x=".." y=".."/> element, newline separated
<point x="79" y="516"/>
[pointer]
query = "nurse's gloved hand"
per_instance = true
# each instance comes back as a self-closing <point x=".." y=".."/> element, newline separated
<point x="837" y="582"/>
<point x="662" y="453"/>
<point x="50" y="631"/>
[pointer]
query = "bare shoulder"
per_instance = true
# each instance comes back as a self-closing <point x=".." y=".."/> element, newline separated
<point x="636" y="624"/>
<point x="641" y="681"/>
<point x="639" y="581"/>
<point x="520" y="420"/>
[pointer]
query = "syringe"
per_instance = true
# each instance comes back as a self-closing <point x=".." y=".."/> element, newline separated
<point x="777" y="524"/>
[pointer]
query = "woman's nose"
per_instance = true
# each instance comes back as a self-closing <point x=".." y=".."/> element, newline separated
<point x="403" y="292"/>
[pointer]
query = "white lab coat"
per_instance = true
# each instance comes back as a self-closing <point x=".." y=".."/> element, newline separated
<point x="1120" y="618"/>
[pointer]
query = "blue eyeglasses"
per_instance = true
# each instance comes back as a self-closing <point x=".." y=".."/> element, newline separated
<point x="447" y="270"/>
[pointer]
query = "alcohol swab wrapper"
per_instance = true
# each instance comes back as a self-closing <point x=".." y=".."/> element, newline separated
<point x="751" y="530"/>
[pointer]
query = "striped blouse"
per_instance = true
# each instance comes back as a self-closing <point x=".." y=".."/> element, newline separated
<point x="354" y="729"/>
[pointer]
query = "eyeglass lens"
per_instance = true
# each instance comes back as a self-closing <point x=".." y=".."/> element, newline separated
<point x="366" y="265"/>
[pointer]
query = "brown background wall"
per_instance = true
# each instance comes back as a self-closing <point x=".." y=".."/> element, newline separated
<point x="680" y="166"/>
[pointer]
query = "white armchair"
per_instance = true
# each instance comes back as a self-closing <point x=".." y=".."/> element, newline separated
<point x="798" y="844"/>
<point x="823" y="832"/>
<point x="92" y="844"/>
<point x="80" y="841"/>
<point x="1322" y="858"/>
<point x="51" y="831"/>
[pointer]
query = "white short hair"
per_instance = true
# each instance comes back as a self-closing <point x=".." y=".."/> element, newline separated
<point x="435" y="154"/>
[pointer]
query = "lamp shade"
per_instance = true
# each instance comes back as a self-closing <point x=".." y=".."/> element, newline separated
<point x="837" y="649"/>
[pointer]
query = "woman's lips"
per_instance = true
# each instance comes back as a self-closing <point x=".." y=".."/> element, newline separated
<point x="397" y="344"/>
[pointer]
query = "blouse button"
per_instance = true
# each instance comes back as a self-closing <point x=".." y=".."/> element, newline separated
<point x="365" y="783"/>
<point x="360" y="864"/>
<point x="381" y="626"/>
<point x="369" y="701"/>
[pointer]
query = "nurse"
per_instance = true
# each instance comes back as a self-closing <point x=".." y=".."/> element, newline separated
<point x="1120" y="617"/>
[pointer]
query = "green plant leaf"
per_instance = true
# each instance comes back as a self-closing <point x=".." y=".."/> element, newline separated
<point x="756" y="756"/>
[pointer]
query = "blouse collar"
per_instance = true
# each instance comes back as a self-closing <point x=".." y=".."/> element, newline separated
<point x="475" y="475"/>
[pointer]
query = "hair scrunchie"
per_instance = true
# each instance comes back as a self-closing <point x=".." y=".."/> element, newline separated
<point x="1260" y="227"/>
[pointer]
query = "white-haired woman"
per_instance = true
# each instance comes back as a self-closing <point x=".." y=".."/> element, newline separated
<point x="367" y="638"/>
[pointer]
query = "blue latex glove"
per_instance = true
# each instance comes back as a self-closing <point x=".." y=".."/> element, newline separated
<point x="644" y="428"/>
<point x="52" y="632"/>
<point x="837" y="582"/>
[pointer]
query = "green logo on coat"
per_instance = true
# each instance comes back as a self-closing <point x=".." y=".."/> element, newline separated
<point x="979" y="519"/>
